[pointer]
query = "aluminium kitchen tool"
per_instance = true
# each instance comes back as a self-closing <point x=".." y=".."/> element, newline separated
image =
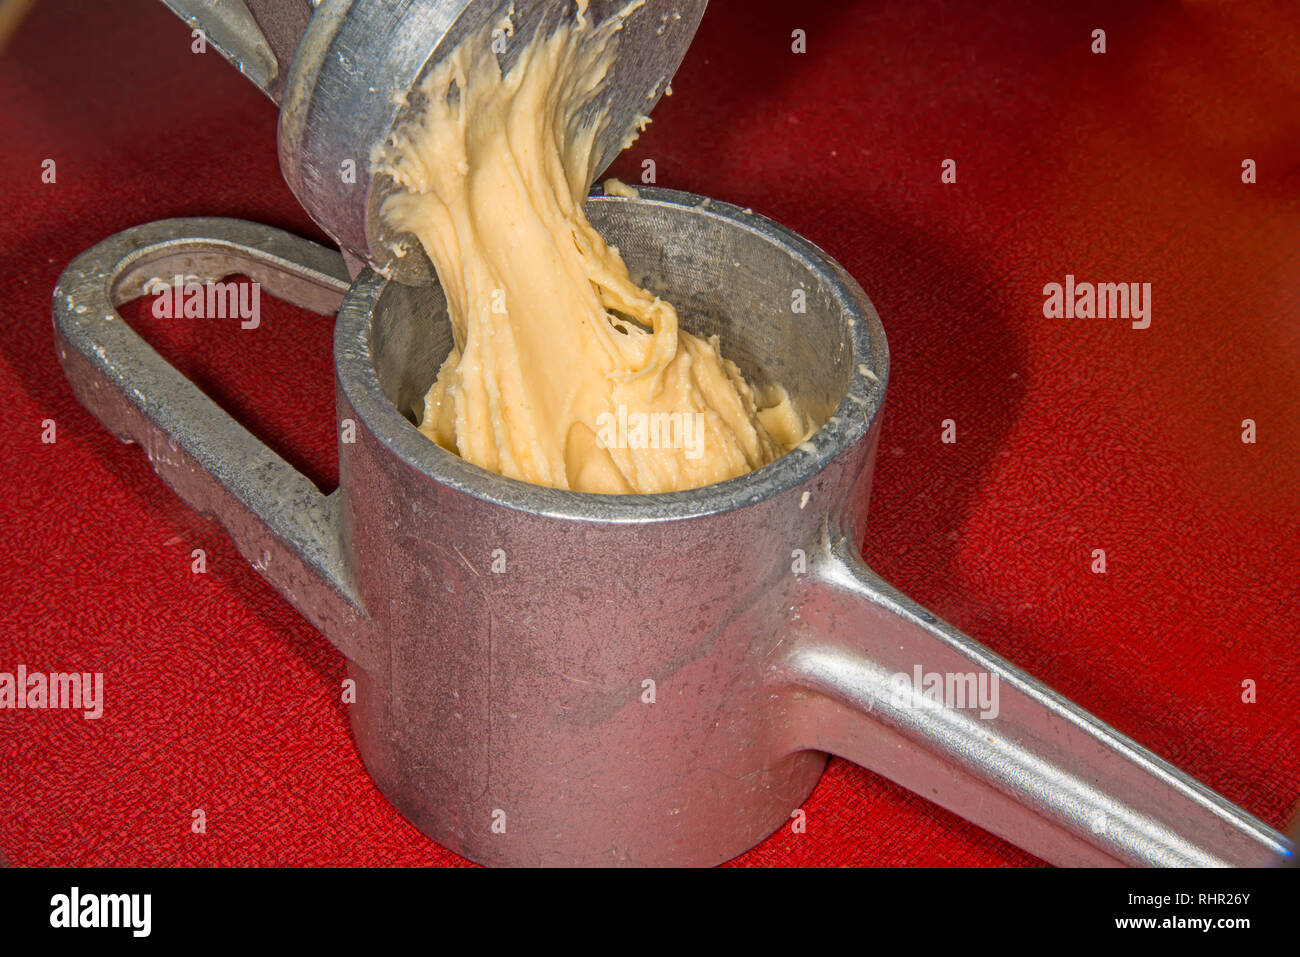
<point x="548" y="677"/>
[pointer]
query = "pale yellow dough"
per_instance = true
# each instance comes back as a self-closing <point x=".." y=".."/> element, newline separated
<point x="549" y="381"/>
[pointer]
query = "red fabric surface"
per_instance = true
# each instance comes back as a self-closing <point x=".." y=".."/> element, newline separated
<point x="1073" y="434"/>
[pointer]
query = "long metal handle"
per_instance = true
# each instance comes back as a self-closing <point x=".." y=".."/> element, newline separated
<point x="280" y="522"/>
<point x="1022" y="761"/>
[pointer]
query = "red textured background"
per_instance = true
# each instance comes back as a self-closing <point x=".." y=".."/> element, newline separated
<point x="1073" y="434"/>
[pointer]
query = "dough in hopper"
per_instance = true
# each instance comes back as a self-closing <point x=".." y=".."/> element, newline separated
<point x="565" y="372"/>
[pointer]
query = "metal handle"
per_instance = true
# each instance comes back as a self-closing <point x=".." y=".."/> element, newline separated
<point x="258" y="37"/>
<point x="1036" y="770"/>
<point x="280" y="522"/>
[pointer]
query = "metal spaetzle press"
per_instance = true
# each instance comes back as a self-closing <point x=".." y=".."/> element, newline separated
<point x="548" y="677"/>
<point x="518" y="698"/>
